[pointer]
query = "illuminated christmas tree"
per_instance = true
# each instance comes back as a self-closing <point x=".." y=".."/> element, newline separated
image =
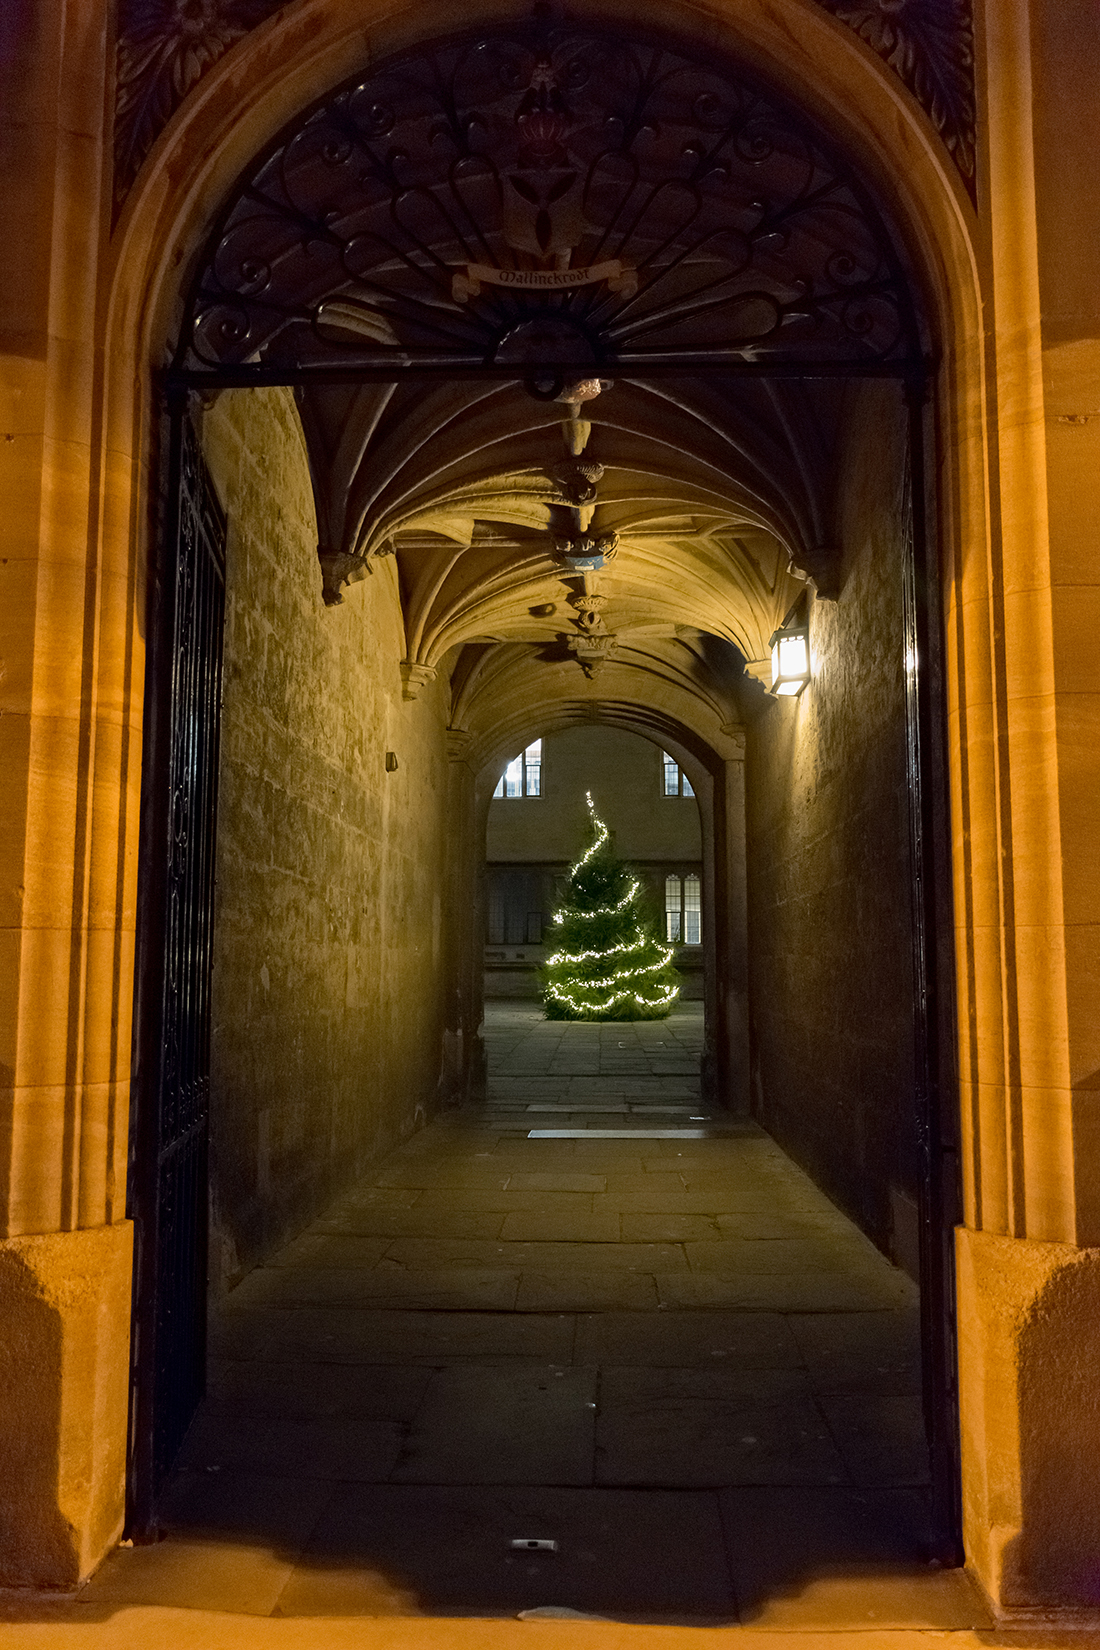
<point x="608" y="963"/>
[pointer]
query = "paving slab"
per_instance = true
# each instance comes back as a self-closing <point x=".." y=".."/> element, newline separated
<point x="499" y="1425"/>
<point x="423" y="1254"/>
<point x="736" y="1340"/>
<point x="308" y="1389"/>
<point x="468" y="1287"/>
<point x="882" y="1439"/>
<point x="332" y="1249"/>
<point x="562" y="1226"/>
<point x="650" y="1185"/>
<point x="366" y="1196"/>
<point x="239" y="1331"/>
<point x="545" y="1181"/>
<point x="763" y="1224"/>
<point x="782" y="1291"/>
<point x="667" y="1197"/>
<point x="512" y="1197"/>
<point x="862" y="1352"/>
<point x="415" y="1222"/>
<point x="821" y="1253"/>
<point x="417" y="1176"/>
<point x="373" y="1335"/>
<point x="611" y="1290"/>
<point x="328" y="1447"/>
<point x="668" y="1228"/>
<point x="707" y="1426"/>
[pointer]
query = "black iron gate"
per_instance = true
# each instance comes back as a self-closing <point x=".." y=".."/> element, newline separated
<point x="169" y="1132"/>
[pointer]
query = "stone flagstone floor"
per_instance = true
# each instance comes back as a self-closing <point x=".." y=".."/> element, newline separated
<point x="670" y="1355"/>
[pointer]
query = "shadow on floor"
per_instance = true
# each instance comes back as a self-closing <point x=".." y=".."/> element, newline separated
<point x="649" y="1340"/>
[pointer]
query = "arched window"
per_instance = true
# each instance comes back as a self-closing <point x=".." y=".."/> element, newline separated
<point x="523" y="775"/>
<point x="676" y="781"/>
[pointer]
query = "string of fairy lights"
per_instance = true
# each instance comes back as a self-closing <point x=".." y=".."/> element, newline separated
<point x="601" y="910"/>
<point x="664" y="998"/>
<point x="599" y="995"/>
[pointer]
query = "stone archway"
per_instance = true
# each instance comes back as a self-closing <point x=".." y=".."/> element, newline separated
<point x="765" y="287"/>
<point x="1013" y="1182"/>
<point x="714" y="762"/>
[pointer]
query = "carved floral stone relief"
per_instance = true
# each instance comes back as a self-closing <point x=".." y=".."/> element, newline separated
<point x="166" y="46"/>
<point x="930" y="45"/>
<point x="164" y="49"/>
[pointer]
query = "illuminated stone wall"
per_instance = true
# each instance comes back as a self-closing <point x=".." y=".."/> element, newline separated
<point x="831" y="984"/>
<point x="624" y="773"/>
<point x="327" y="1030"/>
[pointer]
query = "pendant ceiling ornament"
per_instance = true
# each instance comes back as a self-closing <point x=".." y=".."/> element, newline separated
<point x="545" y="202"/>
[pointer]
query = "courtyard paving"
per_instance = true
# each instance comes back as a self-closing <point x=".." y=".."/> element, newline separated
<point x="667" y="1354"/>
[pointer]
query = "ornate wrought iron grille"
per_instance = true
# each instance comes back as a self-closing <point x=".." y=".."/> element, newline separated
<point x="548" y="200"/>
<point x="168" y="1192"/>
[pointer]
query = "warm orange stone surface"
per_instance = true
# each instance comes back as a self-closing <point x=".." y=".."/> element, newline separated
<point x="153" y="1629"/>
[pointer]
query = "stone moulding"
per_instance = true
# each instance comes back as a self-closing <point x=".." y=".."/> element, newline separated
<point x="164" y="47"/>
<point x="415" y="678"/>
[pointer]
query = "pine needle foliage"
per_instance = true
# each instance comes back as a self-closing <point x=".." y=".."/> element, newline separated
<point x="607" y="963"/>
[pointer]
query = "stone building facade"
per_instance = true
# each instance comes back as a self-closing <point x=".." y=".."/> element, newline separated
<point x="532" y="839"/>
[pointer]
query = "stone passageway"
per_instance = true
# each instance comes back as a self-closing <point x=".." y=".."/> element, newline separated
<point x="664" y="1351"/>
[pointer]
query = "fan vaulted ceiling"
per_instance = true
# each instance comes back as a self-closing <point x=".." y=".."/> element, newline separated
<point x="575" y="326"/>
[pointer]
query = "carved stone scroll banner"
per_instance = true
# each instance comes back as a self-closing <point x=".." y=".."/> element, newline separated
<point x="468" y="285"/>
<point x="164" y="47"/>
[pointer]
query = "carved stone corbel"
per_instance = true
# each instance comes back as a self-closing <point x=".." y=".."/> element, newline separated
<point x="414" y="678"/>
<point x="821" y="565"/>
<point x="337" y="570"/>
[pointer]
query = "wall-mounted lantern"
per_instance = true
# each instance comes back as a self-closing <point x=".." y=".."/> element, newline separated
<point x="790" y="659"/>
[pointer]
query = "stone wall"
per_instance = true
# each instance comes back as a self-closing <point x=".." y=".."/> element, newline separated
<point x="623" y="772"/>
<point x="328" y="962"/>
<point x="831" y="983"/>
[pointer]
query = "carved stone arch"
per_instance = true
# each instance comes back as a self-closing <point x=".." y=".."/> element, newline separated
<point x="302" y="52"/>
<point x="714" y="764"/>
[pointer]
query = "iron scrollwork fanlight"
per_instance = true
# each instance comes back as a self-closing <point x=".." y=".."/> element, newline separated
<point x="548" y="202"/>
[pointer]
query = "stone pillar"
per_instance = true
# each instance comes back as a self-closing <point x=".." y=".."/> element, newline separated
<point x="464" y="1072"/>
<point x="731" y="914"/>
<point x="1029" y="1350"/>
<point x="1028" y="1261"/>
<point x="68" y="817"/>
<point x="64" y="1380"/>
